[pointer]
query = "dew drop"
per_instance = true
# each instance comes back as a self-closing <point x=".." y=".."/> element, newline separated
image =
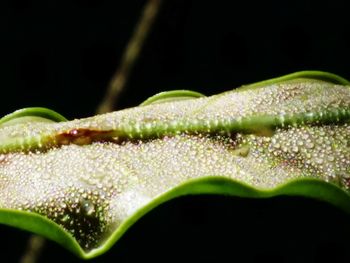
<point x="243" y="151"/>
<point x="319" y="160"/>
<point x="295" y="149"/>
<point x="88" y="207"/>
<point x="65" y="218"/>
<point x="309" y="145"/>
<point x="330" y="158"/>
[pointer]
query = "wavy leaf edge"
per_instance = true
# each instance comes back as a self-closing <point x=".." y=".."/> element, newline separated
<point x="31" y="114"/>
<point x="171" y="95"/>
<point x="306" y="74"/>
<point x="209" y="185"/>
<point x="216" y="185"/>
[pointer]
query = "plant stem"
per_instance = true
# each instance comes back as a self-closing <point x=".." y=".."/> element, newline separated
<point x="130" y="56"/>
<point x="34" y="247"/>
<point x="116" y="85"/>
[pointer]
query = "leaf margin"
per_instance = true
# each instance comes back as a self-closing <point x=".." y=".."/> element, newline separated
<point x="209" y="185"/>
<point x="216" y="185"/>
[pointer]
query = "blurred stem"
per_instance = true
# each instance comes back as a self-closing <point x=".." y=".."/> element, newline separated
<point x="130" y="56"/>
<point x="116" y="85"/>
<point x="34" y="247"/>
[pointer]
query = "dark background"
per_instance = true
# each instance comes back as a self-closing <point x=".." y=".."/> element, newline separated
<point x="62" y="54"/>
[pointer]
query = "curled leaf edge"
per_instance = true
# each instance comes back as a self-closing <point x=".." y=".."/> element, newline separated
<point x="209" y="185"/>
<point x="216" y="185"/>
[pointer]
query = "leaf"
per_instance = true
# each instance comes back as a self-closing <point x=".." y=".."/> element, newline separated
<point x="173" y="95"/>
<point x="35" y="114"/>
<point x="84" y="182"/>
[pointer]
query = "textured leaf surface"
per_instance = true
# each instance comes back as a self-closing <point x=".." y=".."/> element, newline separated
<point x="82" y="183"/>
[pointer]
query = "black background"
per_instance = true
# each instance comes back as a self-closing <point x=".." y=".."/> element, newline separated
<point x="62" y="54"/>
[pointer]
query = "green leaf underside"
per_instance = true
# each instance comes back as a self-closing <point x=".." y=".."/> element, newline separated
<point x="173" y="95"/>
<point x="36" y="114"/>
<point x="93" y="178"/>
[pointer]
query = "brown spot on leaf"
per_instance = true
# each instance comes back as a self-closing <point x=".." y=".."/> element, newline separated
<point x="83" y="136"/>
<point x="3" y="159"/>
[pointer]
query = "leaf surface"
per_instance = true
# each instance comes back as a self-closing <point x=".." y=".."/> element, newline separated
<point x="84" y="182"/>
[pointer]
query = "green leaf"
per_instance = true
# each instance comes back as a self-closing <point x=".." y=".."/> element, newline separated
<point x="170" y="96"/>
<point x="83" y="183"/>
<point x="35" y="114"/>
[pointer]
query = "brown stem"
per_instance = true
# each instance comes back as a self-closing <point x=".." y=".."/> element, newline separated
<point x="116" y="85"/>
<point x="130" y="56"/>
<point x="34" y="247"/>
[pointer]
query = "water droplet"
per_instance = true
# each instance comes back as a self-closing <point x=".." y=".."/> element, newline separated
<point x="88" y="207"/>
<point x="243" y="151"/>
<point x="319" y="160"/>
<point x="295" y="149"/>
<point x="309" y="145"/>
<point x="330" y="158"/>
